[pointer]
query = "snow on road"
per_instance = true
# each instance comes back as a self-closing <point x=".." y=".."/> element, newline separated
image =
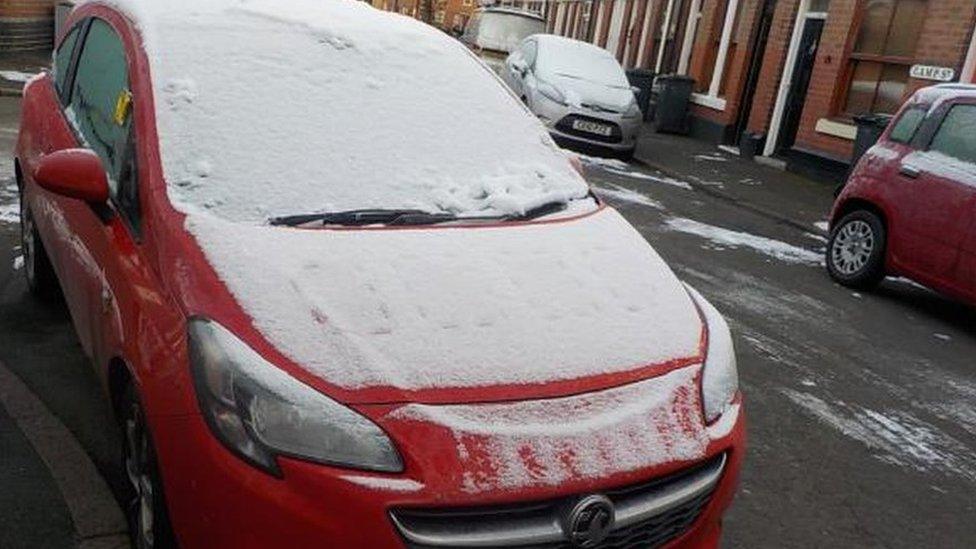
<point x="898" y="437"/>
<point x="9" y="208"/>
<point x="627" y="195"/>
<point x="735" y="239"/>
<point x="621" y="168"/>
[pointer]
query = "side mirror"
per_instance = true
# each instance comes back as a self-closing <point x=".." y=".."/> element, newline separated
<point x="74" y="173"/>
<point x="520" y="66"/>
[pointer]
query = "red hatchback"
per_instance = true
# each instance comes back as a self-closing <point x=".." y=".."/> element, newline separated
<point x="343" y="290"/>
<point x="909" y="208"/>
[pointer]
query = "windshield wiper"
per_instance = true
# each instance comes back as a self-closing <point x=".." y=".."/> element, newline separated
<point x="360" y="218"/>
<point x="539" y="211"/>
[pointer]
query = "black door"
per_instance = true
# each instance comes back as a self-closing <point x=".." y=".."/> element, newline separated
<point x="758" y="49"/>
<point x="806" y="55"/>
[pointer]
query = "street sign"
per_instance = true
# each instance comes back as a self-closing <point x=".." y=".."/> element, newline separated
<point x="929" y="72"/>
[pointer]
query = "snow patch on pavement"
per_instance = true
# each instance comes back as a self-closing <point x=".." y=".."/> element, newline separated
<point x="16" y="76"/>
<point x="898" y="438"/>
<point x="18" y="262"/>
<point x="713" y="157"/>
<point x="823" y="225"/>
<point x="734" y="239"/>
<point x="621" y="168"/>
<point x="627" y="195"/>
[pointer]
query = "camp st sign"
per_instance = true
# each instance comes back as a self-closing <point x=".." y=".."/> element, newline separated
<point x="929" y="72"/>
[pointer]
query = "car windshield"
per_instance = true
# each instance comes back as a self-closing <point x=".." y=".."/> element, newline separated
<point x="308" y="106"/>
<point x="573" y="59"/>
<point x="503" y="31"/>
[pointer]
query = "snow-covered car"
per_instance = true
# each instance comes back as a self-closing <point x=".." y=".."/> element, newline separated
<point x="578" y="90"/>
<point x="495" y="32"/>
<point x="365" y="300"/>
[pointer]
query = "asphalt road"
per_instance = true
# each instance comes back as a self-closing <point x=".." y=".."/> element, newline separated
<point x="861" y="406"/>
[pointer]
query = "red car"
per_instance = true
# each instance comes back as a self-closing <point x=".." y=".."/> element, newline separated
<point x="908" y="206"/>
<point x="343" y="290"/>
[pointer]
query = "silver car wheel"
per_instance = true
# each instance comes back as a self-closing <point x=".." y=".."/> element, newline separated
<point x="137" y="468"/>
<point x="28" y="243"/>
<point x="852" y="248"/>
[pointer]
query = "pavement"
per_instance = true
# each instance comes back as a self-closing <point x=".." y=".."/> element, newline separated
<point x="862" y="431"/>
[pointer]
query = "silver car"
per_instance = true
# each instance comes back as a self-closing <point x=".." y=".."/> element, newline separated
<point x="578" y="90"/>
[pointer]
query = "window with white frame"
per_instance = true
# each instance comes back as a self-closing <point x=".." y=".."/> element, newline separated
<point x="707" y="49"/>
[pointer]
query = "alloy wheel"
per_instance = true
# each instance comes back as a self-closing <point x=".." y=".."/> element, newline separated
<point x="27" y="243"/>
<point x="852" y="248"/>
<point x="138" y="469"/>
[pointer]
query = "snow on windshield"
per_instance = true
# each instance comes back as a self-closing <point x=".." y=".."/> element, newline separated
<point x="268" y="108"/>
<point x="564" y="57"/>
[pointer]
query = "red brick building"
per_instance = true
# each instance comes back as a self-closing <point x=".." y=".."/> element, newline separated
<point x="793" y="72"/>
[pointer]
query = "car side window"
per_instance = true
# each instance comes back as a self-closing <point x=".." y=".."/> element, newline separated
<point x="906" y="126"/>
<point x="100" y="109"/>
<point x="62" y="61"/>
<point x="956" y="136"/>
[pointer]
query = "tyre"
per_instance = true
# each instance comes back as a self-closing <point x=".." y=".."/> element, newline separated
<point x="856" y="250"/>
<point x="41" y="279"/>
<point x="145" y="508"/>
<point x="626" y="155"/>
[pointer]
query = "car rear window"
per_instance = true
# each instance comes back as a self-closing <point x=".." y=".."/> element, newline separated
<point x="904" y="130"/>
<point x="957" y="134"/>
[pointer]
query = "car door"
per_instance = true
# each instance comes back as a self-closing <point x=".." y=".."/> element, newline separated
<point x="101" y="110"/>
<point x="939" y="209"/>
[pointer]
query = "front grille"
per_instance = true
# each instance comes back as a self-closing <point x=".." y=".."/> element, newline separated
<point x="565" y="125"/>
<point x="648" y="515"/>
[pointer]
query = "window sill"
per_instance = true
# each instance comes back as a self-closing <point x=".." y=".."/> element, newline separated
<point x="715" y="103"/>
<point x="836" y="128"/>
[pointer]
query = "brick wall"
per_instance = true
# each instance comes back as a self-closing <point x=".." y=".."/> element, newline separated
<point x="26" y="25"/>
<point x="944" y="40"/>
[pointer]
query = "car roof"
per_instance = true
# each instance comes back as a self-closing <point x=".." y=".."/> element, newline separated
<point x="557" y="41"/>
<point x="513" y="11"/>
<point x="939" y="93"/>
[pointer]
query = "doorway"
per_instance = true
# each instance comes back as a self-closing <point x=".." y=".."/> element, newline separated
<point x="802" y="71"/>
<point x="758" y="50"/>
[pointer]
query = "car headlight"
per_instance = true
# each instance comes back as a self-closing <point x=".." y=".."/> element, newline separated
<point x="259" y="412"/>
<point x="550" y="92"/>
<point x="633" y="111"/>
<point x="720" y="375"/>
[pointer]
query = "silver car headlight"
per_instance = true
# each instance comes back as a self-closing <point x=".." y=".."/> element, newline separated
<point x="260" y="412"/>
<point x="720" y="375"/>
<point x="550" y="92"/>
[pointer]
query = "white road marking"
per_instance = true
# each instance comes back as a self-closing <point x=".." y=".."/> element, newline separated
<point x="96" y="516"/>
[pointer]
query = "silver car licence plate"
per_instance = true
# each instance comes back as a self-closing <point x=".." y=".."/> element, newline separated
<point x="592" y="127"/>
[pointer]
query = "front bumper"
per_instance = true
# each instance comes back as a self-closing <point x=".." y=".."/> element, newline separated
<point x="558" y="119"/>
<point x="216" y="500"/>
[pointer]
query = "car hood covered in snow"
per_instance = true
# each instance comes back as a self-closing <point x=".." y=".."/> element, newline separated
<point x="583" y="92"/>
<point x="525" y="310"/>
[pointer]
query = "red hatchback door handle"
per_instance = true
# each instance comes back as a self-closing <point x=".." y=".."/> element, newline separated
<point x="909" y="171"/>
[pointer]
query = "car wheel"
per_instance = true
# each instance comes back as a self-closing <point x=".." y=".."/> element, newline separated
<point x="626" y="155"/>
<point x="856" y="250"/>
<point x="145" y="509"/>
<point x="41" y="279"/>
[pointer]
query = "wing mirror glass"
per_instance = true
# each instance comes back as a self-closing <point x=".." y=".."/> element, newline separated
<point x="520" y="66"/>
<point x="74" y="173"/>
